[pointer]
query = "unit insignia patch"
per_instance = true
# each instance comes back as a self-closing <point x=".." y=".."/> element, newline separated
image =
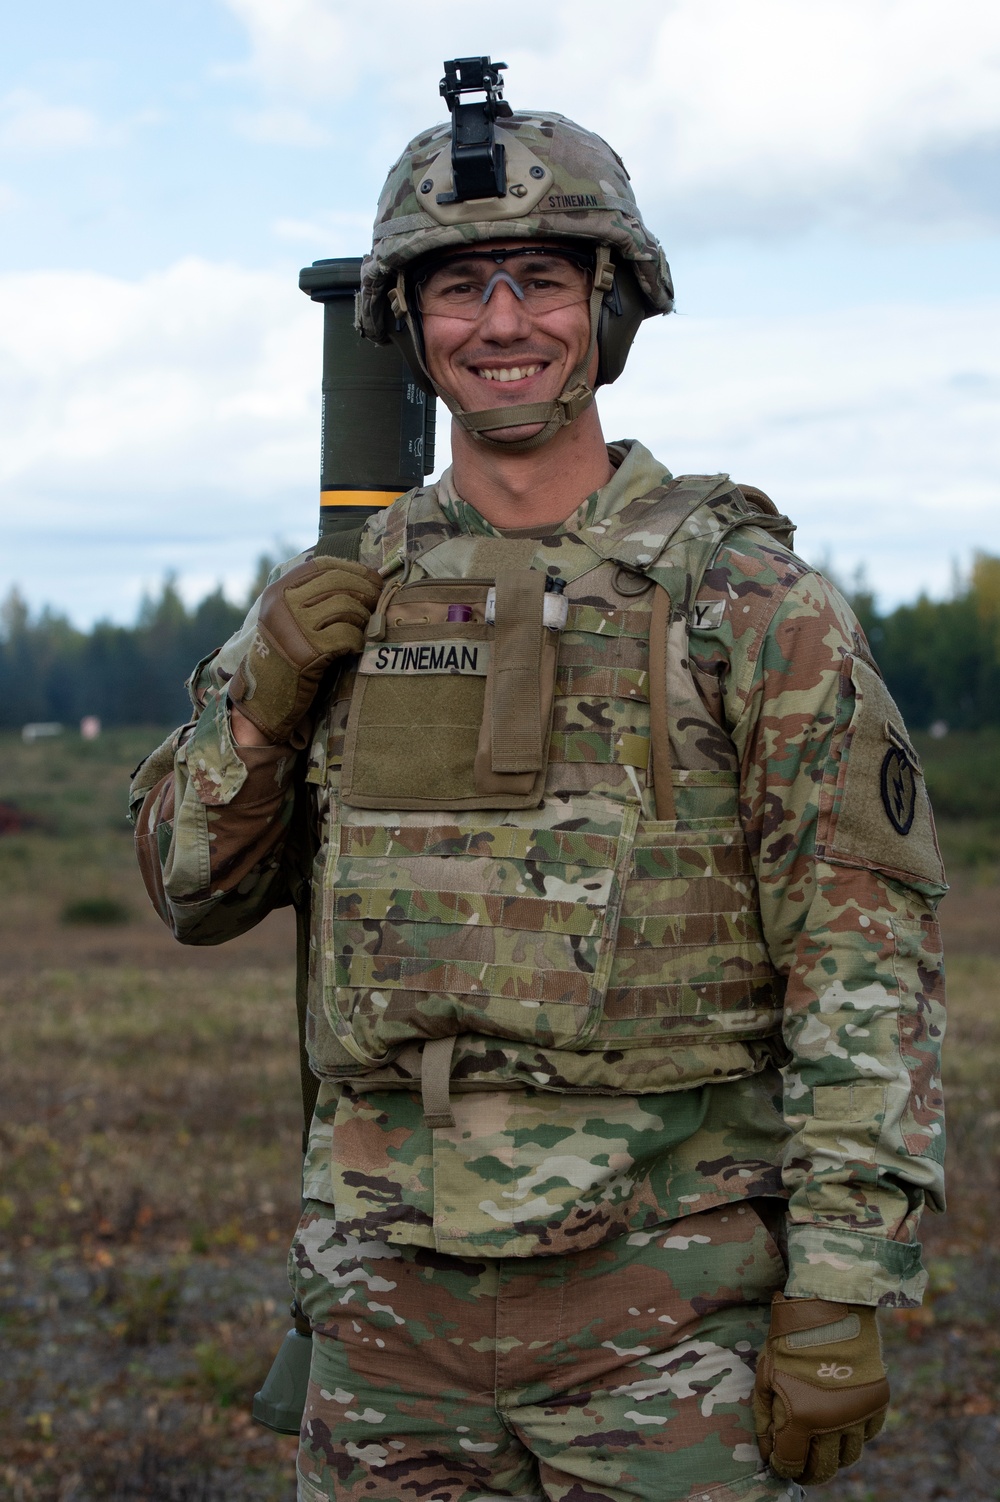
<point x="898" y="786"/>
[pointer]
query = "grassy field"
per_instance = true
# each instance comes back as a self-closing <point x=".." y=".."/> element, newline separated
<point x="149" y="1145"/>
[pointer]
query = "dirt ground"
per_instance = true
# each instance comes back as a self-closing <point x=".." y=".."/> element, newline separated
<point x="149" y="1144"/>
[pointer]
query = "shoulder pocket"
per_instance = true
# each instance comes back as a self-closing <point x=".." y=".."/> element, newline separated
<point x="880" y="814"/>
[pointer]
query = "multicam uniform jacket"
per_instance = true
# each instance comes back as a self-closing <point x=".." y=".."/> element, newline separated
<point x="657" y="972"/>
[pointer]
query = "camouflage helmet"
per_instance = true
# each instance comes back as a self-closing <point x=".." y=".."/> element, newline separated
<point x="564" y="184"/>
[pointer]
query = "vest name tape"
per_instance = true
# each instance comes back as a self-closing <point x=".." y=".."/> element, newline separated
<point x="470" y="658"/>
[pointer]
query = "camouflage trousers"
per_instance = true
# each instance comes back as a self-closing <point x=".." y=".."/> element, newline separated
<point x="623" y="1372"/>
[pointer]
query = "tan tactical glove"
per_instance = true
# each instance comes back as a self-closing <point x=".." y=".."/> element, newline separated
<point x="312" y="615"/>
<point x="821" y="1387"/>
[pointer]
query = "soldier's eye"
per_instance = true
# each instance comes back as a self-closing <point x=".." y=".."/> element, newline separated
<point x="452" y="291"/>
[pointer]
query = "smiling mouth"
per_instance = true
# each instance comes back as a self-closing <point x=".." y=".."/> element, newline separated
<point x="507" y="372"/>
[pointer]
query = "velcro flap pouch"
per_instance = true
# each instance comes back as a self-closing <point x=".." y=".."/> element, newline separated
<point x="448" y="713"/>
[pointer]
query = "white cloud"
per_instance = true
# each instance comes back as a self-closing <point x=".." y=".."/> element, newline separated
<point x="174" y="422"/>
<point x="29" y="124"/>
<point x="165" y="423"/>
<point x="203" y="373"/>
<point x="731" y="116"/>
<point x="161" y="415"/>
<point x="877" y="430"/>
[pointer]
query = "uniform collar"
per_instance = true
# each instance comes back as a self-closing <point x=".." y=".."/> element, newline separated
<point x="636" y="473"/>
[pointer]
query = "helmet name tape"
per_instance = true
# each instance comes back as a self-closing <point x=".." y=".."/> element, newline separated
<point x="574" y="201"/>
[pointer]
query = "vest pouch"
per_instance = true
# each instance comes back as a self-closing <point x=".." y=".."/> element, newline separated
<point x="691" y="963"/>
<point x="500" y="925"/>
<point x="453" y="714"/>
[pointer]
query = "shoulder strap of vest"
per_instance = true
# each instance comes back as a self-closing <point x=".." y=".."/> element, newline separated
<point x="388" y="543"/>
<point x="637" y="535"/>
<point x="673" y="532"/>
<point x="681" y="566"/>
<point x="343" y="542"/>
<point x="659" y="706"/>
<point x="383" y="529"/>
<point x="693" y="517"/>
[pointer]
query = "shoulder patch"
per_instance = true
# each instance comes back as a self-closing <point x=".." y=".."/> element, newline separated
<point x="880" y="814"/>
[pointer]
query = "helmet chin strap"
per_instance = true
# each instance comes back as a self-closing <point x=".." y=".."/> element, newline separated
<point x="575" y="397"/>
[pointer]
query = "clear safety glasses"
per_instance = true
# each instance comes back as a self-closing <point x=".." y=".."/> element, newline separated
<point x="541" y="277"/>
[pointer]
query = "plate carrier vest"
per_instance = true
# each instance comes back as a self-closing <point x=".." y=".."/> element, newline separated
<point x="532" y="870"/>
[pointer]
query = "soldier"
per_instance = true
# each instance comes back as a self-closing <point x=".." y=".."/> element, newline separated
<point x="625" y="982"/>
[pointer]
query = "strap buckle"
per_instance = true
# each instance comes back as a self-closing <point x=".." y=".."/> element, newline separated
<point x="604" y="270"/>
<point x="575" y="401"/>
<point x="397" y="298"/>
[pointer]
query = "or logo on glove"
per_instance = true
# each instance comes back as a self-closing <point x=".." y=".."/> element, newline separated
<point x="821" y="1388"/>
<point x="308" y="618"/>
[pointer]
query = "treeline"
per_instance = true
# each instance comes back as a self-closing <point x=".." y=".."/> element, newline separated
<point x="941" y="657"/>
<point x="126" y="675"/>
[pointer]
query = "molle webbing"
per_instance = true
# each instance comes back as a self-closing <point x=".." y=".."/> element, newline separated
<point x="659" y="714"/>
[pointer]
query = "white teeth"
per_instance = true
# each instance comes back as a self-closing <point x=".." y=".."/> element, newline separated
<point x="514" y="373"/>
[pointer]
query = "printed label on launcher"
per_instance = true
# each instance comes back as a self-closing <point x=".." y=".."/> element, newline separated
<point x="471" y="658"/>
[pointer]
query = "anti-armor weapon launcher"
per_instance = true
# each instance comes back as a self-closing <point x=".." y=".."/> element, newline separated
<point x="377" y="442"/>
<point x="377" y="425"/>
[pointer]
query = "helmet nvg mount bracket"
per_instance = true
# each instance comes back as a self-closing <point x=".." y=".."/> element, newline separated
<point x="494" y="173"/>
<point x="478" y="159"/>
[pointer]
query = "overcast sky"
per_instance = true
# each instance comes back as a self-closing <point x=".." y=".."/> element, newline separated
<point x="824" y="176"/>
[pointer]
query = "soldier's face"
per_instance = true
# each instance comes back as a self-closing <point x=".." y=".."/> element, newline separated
<point x="511" y="353"/>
